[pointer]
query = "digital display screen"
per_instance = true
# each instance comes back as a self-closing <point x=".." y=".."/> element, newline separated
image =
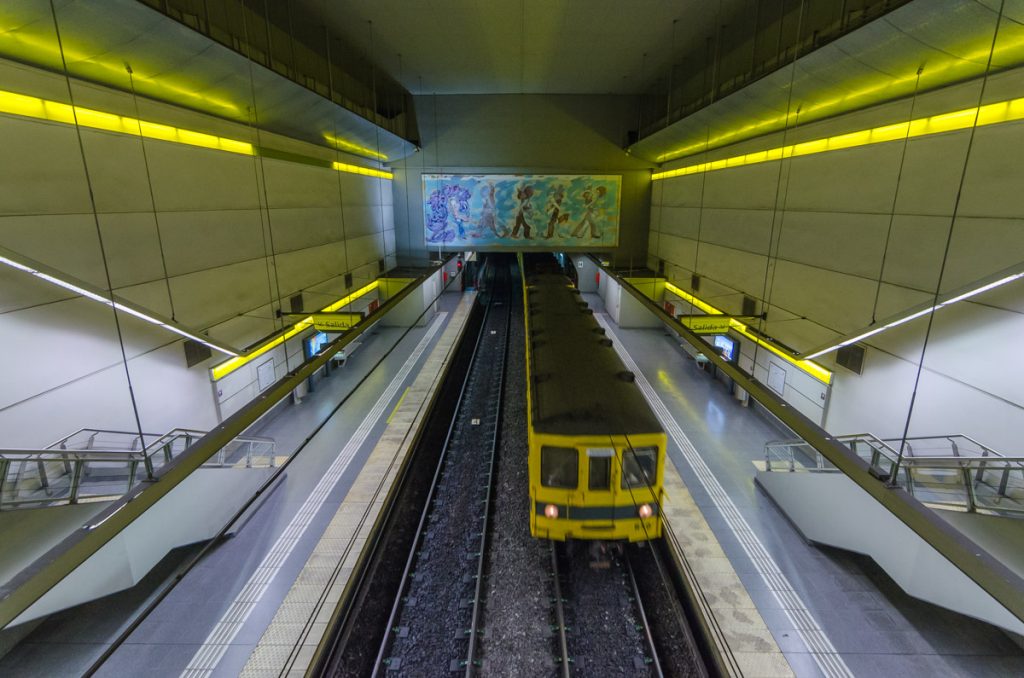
<point x="315" y="343"/>
<point x="727" y="346"/>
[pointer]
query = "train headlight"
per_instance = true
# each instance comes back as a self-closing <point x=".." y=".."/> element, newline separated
<point x="551" y="511"/>
<point x="645" y="511"/>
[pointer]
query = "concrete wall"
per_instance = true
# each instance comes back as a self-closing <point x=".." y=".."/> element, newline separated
<point x="219" y="241"/>
<point x="522" y="134"/>
<point x="833" y="241"/>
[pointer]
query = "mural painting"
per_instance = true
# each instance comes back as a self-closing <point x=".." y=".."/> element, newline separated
<point x="504" y="210"/>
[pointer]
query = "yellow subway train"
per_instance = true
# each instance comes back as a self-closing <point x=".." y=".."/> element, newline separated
<point x="596" y="451"/>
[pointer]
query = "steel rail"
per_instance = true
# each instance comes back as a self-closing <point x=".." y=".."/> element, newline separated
<point x="498" y="408"/>
<point x="984" y="569"/>
<point x="563" y="644"/>
<point x="396" y="607"/>
<point x="656" y="663"/>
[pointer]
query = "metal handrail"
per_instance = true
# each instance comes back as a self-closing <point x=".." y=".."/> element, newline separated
<point x="964" y="489"/>
<point x="62" y="443"/>
<point x="957" y="449"/>
<point x="75" y="463"/>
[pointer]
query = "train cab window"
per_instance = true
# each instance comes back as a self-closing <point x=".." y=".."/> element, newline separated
<point x="559" y="467"/>
<point x="639" y="466"/>
<point x="600" y="471"/>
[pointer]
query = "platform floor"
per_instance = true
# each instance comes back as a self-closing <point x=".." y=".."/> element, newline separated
<point x="865" y="625"/>
<point x="66" y="643"/>
<point x="832" y="612"/>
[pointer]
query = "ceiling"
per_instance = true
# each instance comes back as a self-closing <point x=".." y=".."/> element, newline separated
<point x="948" y="40"/>
<point x="175" y="64"/>
<point x="523" y="46"/>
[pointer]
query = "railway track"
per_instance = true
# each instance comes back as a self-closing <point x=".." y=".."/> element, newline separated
<point x="600" y="622"/>
<point x="434" y="626"/>
<point x="478" y="595"/>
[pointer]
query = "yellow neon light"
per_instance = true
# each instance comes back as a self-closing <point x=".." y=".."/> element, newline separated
<point x="356" y="169"/>
<point x="812" y="368"/>
<point x="354" y="148"/>
<point x="228" y="366"/>
<point x="937" y="74"/>
<point x="990" y="114"/>
<point x="54" y="111"/>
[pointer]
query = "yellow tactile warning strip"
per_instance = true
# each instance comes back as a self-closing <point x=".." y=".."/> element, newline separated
<point x="288" y="644"/>
<point x="750" y="642"/>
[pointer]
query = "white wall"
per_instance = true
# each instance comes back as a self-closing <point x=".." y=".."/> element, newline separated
<point x="236" y="234"/>
<point x="810" y="238"/>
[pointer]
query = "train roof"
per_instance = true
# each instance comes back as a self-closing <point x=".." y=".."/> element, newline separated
<point x="579" y="384"/>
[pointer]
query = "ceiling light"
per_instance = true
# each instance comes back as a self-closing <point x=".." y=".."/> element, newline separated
<point x="83" y="289"/>
<point x="917" y="314"/>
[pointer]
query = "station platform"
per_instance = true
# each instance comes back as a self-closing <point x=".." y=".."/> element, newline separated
<point x="212" y="621"/>
<point x="786" y="606"/>
<point x="832" y="612"/>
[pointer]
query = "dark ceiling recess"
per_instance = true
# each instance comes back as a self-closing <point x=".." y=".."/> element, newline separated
<point x="851" y="357"/>
<point x="286" y="38"/>
<point x="747" y="46"/>
<point x="196" y="353"/>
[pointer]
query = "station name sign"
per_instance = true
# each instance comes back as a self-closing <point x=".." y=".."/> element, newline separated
<point x="706" y="324"/>
<point x="335" y="322"/>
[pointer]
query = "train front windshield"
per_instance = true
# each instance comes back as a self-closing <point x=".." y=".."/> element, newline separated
<point x="559" y="467"/>
<point x="639" y="467"/>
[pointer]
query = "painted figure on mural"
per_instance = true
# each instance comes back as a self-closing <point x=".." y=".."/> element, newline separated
<point x="523" y="194"/>
<point x="458" y="211"/>
<point x="591" y="200"/>
<point x="554" y="208"/>
<point x="488" y="220"/>
<point x="441" y="203"/>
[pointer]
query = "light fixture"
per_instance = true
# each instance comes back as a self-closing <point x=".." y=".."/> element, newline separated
<point x="990" y="114"/>
<point x="228" y="366"/>
<point x="54" y="111"/>
<point x="84" y="289"/>
<point x="939" y="73"/>
<point x="815" y="370"/>
<point x="917" y="314"/>
<point x="345" y="145"/>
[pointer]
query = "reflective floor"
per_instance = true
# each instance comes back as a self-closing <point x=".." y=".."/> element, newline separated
<point x="873" y="627"/>
<point x="66" y="643"/>
<point x="876" y="629"/>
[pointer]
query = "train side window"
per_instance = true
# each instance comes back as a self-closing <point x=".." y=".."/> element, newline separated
<point x="639" y="466"/>
<point x="559" y="467"/>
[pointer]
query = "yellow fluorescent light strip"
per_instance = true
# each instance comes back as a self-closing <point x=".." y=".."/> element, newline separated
<point x="815" y="370"/>
<point x="120" y="306"/>
<point x="54" y="111"/>
<point x="229" y="366"/>
<point x="1009" y="50"/>
<point x="366" y="171"/>
<point x="353" y="147"/>
<point x="990" y="114"/>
